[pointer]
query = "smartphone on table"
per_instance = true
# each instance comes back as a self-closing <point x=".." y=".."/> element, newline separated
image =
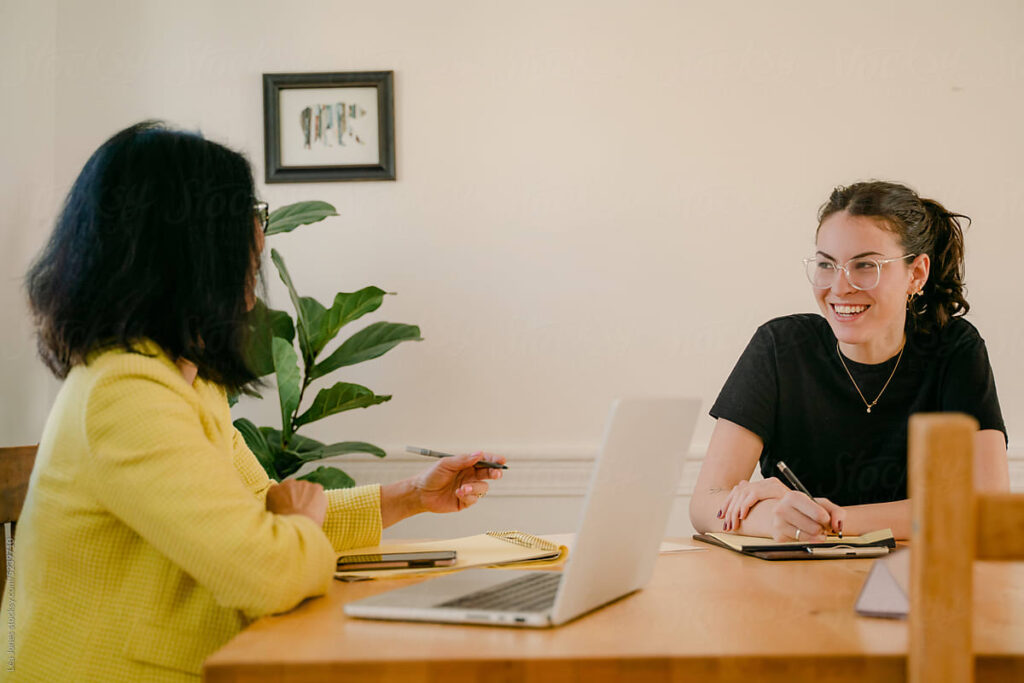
<point x="415" y="560"/>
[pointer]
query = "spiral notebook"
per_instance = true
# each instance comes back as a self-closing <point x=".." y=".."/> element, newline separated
<point x="492" y="549"/>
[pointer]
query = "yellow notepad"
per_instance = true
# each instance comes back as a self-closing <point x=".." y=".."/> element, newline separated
<point x="494" y="549"/>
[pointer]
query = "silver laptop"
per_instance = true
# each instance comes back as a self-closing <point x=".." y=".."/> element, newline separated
<point x="624" y="518"/>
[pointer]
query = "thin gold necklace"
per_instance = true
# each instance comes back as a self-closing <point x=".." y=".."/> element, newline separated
<point x="871" y="405"/>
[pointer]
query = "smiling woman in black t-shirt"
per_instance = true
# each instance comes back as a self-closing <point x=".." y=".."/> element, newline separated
<point x="831" y="395"/>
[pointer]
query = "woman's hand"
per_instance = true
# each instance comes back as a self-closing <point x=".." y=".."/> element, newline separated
<point x="836" y="515"/>
<point x="744" y="496"/>
<point x="297" y="497"/>
<point x="452" y="484"/>
<point x="795" y="517"/>
<point x="455" y="483"/>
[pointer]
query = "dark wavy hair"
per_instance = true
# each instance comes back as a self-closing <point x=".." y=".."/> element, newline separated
<point x="156" y="240"/>
<point x="923" y="226"/>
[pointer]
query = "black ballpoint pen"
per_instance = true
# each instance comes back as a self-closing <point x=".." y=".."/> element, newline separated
<point x="791" y="478"/>
<point x="437" y="454"/>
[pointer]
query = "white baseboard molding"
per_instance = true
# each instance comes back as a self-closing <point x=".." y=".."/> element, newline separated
<point x="545" y="472"/>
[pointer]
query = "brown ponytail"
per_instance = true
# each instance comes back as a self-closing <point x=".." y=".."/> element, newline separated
<point x="923" y="226"/>
<point x="943" y="295"/>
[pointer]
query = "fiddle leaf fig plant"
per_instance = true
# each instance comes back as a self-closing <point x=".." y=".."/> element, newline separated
<point x="272" y="350"/>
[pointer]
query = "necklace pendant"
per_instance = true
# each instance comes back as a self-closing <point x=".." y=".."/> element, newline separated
<point x="885" y="386"/>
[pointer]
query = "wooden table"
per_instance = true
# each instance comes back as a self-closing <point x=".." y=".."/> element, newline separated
<point x="711" y="615"/>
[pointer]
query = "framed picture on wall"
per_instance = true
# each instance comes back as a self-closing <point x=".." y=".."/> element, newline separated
<point x="329" y="126"/>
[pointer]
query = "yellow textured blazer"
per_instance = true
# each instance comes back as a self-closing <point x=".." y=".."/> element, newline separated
<point x="144" y="544"/>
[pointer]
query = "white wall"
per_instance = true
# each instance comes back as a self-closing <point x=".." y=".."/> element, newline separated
<point x="593" y="198"/>
<point x="28" y="202"/>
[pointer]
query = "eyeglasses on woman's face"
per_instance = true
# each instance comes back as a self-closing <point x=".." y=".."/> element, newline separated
<point x="261" y="210"/>
<point x="862" y="273"/>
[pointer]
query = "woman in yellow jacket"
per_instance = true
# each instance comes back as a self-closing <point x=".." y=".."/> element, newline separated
<point x="150" y="534"/>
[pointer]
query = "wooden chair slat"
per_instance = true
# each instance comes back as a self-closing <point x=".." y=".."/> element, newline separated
<point x="941" y="487"/>
<point x="1000" y="526"/>
<point x="15" y="469"/>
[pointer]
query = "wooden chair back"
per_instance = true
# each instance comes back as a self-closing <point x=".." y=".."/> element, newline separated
<point x="952" y="525"/>
<point x="15" y="468"/>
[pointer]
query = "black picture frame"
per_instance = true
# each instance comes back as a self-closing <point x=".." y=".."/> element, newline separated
<point x="288" y="165"/>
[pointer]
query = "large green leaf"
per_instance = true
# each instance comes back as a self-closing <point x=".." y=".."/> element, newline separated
<point x="289" y="389"/>
<point x="329" y="478"/>
<point x="287" y="462"/>
<point x="348" y="306"/>
<point x="324" y="323"/>
<point x="313" y="313"/>
<point x="304" y="328"/>
<point x="265" y="324"/>
<point x="370" y="342"/>
<point x="310" y="449"/>
<point x="343" y="448"/>
<point x="287" y="218"/>
<point x="298" y="443"/>
<point x="256" y="442"/>
<point x="339" y="398"/>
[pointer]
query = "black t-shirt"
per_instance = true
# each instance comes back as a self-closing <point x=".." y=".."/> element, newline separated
<point x="789" y="387"/>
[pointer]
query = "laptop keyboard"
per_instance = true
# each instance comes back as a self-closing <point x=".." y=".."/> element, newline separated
<point x="530" y="593"/>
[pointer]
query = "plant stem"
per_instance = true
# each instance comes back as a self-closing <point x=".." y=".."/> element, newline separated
<point x="302" y="392"/>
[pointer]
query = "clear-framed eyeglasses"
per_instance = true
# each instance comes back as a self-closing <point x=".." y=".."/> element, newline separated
<point x="862" y="273"/>
<point x="262" y="212"/>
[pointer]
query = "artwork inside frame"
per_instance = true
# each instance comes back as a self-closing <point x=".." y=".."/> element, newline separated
<point x="329" y="126"/>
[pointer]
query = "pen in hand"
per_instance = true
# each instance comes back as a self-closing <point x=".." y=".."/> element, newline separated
<point x="791" y="478"/>
<point x="437" y="454"/>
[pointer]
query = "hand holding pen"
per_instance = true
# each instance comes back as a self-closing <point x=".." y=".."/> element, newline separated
<point x="785" y="511"/>
<point x="796" y="517"/>
<point x="438" y="454"/>
<point x="455" y="482"/>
